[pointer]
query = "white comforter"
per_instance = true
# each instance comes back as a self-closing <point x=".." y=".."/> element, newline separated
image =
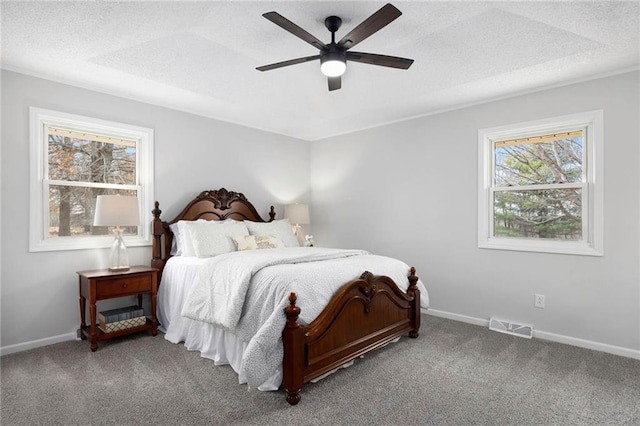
<point x="246" y="292"/>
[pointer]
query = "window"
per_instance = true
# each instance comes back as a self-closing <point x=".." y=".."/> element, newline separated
<point x="73" y="160"/>
<point x="540" y="185"/>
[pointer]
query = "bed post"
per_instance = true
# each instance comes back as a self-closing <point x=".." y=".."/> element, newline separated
<point x="157" y="230"/>
<point x="272" y="214"/>
<point x="415" y="311"/>
<point x="293" y="363"/>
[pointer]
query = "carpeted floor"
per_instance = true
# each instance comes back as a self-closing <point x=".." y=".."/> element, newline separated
<point x="453" y="374"/>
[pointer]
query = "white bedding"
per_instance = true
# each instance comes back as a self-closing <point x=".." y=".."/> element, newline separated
<point x="219" y="294"/>
<point x="253" y="345"/>
<point x="218" y="345"/>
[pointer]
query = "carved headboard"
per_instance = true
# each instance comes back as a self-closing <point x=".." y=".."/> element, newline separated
<point x="209" y="205"/>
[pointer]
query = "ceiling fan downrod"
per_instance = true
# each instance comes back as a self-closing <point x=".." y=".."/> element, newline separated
<point x="333" y="24"/>
<point x="333" y="60"/>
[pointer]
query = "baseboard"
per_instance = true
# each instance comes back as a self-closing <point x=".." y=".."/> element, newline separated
<point x="588" y="344"/>
<point x="545" y="335"/>
<point x="458" y="317"/>
<point x="6" y="350"/>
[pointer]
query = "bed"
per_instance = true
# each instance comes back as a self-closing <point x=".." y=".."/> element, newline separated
<point x="363" y="314"/>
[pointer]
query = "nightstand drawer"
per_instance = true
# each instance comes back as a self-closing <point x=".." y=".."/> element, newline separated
<point x="124" y="286"/>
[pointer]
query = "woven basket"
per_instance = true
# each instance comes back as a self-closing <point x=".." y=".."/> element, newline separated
<point x="122" y="325"/>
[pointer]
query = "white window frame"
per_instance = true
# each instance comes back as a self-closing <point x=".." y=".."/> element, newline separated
<point x="39" y="118"/>
<point x="591" y="243"/>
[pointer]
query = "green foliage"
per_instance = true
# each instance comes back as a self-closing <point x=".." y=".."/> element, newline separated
<point x="539" y="213"/>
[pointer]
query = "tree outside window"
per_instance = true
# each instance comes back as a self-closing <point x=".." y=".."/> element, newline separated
<point x="81" y="167"/>
<point x="538" y="187"/>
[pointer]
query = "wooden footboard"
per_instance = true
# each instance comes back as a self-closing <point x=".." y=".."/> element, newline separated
<point x="365" y="314"/>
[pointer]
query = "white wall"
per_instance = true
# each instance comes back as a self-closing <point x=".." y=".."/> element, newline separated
<point x="192" y="154"/>
<point x="410" y="190"/>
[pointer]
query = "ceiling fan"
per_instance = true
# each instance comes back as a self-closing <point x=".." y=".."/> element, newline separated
<point x="334" y="56"/>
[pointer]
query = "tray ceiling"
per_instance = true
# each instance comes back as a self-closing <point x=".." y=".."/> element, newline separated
<point x="200" y="57"/>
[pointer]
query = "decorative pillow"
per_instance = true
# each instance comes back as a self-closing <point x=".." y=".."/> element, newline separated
<point x="211" y="240"/>
<point x="253" y="242"/>
<point x="278" y="228"/>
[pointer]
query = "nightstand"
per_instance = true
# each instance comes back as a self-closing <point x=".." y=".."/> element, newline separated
<point x="103" y="284"/>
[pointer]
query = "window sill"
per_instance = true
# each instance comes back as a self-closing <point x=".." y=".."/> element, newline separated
<point x="555" y="247"/>
<point x="67" y="243"/>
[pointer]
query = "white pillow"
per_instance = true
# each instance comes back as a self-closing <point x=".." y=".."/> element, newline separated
<point x="184" y="247"/>
<point x="253" y="242"/>
<point x="278" y="228"/>
<point x="213" y="240"/>
<point x="175" y="251"/>
<point x="181" y="244"/>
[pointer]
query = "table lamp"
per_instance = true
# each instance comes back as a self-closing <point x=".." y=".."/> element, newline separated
<point x="298" y="214"/>
<point x="118" y="211"/>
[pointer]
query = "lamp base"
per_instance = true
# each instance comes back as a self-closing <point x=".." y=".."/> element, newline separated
<point x="118" y="257"/>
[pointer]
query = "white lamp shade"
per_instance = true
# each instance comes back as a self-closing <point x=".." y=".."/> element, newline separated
<point x="297" y="213"/>
<point x="116" y="210"/>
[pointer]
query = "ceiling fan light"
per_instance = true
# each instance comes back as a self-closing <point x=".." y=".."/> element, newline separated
<point x="333" y="65"/>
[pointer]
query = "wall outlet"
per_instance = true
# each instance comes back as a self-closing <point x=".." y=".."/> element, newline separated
<point x="539" y="301"/>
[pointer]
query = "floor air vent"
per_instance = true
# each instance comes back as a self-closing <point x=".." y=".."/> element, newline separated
<point x="508" y="327"/>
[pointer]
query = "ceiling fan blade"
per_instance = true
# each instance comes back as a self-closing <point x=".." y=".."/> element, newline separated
<point x="387" y="14"/>
<point x="283" y="22"/>
<point x="382" y="60"/>
<point x="335" y="83"/>
<point x="287" y="63"/>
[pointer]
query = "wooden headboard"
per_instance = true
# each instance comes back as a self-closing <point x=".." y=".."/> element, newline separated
<point x="209" y="205"/>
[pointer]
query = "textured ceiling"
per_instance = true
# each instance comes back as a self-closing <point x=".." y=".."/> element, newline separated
<point x="200" y="57"/>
